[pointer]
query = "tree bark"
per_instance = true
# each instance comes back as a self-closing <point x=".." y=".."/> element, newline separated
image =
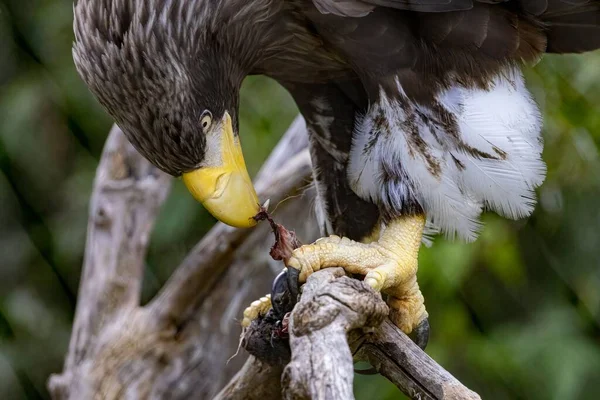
<point x="179" y="345"/>
<point x="338" y="321"/>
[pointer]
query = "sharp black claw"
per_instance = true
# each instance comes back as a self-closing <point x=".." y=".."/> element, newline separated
<point x="279" y="293"/>
<point x="284" y="292"/>
<point x="420" y="334"/>
<point x="293" y="284"/>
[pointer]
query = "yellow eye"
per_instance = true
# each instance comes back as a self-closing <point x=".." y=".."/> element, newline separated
<point x="206" y="120"/>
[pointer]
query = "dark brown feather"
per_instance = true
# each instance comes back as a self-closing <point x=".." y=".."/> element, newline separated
<point x="573" y="27"/>
<point x="569" y="25"/>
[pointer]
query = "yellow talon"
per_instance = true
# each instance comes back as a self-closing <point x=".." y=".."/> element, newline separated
<point x="257" y="308"/>
<point x="388" y="264"/>
<point x="375" y="280"/>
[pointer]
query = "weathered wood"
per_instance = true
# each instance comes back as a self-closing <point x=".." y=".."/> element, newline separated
<point x="120" y="349"/>
<point x="331" y="306"/>
<point x="336" y="310"/>
<point x="178" y="346"/>
<point x="128" y="192"/>
<point x="255" y="381"/>
<point x="399" y="359"/>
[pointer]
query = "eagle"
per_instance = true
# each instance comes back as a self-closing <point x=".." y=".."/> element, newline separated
<point x="417" y="111"/>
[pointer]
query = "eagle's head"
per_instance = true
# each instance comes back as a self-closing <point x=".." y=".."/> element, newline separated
<point x="170" y="79"/>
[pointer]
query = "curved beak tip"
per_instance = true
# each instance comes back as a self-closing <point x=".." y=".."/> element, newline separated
<point x="225" y="188"/>
<point x="235" y="204"/>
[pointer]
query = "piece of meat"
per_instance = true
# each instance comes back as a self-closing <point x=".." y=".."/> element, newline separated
<point x="285" y="240"/>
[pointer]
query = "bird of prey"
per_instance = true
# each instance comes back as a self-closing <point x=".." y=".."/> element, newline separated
<point x="417" y="112"/>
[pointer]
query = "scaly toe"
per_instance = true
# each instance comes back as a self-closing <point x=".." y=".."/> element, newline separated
<point x="257" y="308"/>
<point x="375" y="279"/>
<point x="408" y="312"/>
<point x="307" y="258"/>
<point x="333" y="239"/>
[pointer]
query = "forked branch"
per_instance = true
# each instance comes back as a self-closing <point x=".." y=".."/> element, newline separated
<point x="340" y="320"/>
<point x="177" y="346"/>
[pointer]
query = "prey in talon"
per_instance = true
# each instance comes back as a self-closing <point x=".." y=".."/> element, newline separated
<point x="268" y="317"/>
<point x="388" y="260"/>
<point x="275" y="307"/>
<point x="388" y="263"/>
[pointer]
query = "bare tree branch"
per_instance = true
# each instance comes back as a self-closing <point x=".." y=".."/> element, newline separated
<point x="338" y="316"/>
<point x="118" y="348"/>
<point x="331" y="306"/>
<point x="399" y="359"/>
<point x="128" y="192"/>
<point x="244" y="386"/>
<point x="177" y="346"/>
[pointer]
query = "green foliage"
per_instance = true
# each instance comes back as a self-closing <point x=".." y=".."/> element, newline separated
<point x="514" y="315"/>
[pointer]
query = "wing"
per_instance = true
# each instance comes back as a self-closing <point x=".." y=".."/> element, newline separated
<point x="569" y="25"/>
<point x="356" y="8"/>
<point x="424" y="49"/>
<point x="450" y="125"/>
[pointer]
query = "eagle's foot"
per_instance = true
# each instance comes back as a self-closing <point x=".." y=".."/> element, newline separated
<point x="388" y="264"/>
<point x="257" y="308"/>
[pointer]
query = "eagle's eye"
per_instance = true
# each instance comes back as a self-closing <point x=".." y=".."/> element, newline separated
<point x="206" y="120"/>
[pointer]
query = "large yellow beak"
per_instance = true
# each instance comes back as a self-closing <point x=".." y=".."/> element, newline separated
<point x="225" y="189"/>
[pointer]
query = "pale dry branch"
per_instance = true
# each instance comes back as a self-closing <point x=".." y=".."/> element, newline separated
<point x="399" y="359"/>
<point x="338" y="317"/>
<point x="255" y="381"/>
<point x="120" y="349"/>
<point x="332" y="305"/>
<point x="178" y="345"/>
<point x="128" y="192"/>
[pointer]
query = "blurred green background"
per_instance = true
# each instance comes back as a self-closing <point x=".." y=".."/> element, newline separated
<point x="514" y="316"/>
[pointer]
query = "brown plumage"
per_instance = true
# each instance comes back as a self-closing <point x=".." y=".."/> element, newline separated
<point x="157" y="65"/>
